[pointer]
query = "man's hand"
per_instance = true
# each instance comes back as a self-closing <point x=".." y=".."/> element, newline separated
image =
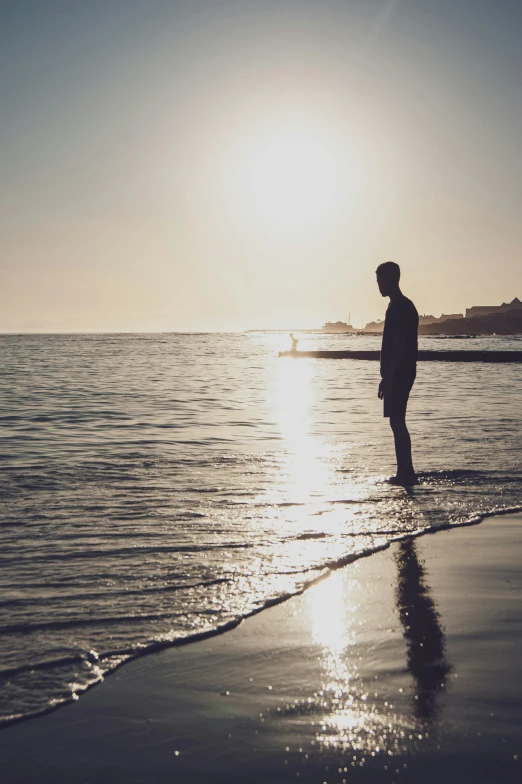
<point x="380" y="393"/>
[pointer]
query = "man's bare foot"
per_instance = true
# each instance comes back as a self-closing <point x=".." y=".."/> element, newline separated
<point x="404" y="480"/>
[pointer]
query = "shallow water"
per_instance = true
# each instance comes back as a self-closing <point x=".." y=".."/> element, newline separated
<point x="158" y="486"/>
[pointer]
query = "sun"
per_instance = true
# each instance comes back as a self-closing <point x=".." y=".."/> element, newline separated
<point x="292" y="179"/>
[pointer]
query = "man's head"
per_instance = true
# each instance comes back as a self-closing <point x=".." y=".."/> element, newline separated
<point x="388" y="276"/>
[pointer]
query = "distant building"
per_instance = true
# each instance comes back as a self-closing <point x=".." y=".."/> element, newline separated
<point x="374" y="326"/>
<point x="486" y="310"/>
<point x="450" y="316"/>
<point x="378" y="326"/>
<point x="437" y="320"/>
<point x="337" y="326"/>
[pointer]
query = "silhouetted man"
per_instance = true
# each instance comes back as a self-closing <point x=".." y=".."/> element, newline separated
<point x="398" y="365"/>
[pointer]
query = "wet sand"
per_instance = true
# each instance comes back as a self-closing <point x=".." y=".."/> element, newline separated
<point x="403" y="667"/>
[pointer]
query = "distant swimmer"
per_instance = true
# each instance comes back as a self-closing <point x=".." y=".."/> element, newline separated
<point x="295" y="341"/>
<point x="398" y="365"/>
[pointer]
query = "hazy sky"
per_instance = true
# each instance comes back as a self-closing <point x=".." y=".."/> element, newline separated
<point x="212" y="165"/>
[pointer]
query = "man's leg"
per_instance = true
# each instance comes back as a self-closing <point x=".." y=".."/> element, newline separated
<point x="402" y="447"/>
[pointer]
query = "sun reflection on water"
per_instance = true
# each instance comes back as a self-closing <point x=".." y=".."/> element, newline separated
<point x="305" y="473"/>
<point x="330" y="617"/>
<point x="352" y="719"/>
<point x="355" y="711"/>
<point x="314" y="499"/>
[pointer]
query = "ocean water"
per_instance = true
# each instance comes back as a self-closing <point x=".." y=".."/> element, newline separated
<point x="159" y="487"/>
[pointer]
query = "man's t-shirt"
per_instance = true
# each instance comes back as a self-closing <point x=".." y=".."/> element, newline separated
<point x="401" y="316"/>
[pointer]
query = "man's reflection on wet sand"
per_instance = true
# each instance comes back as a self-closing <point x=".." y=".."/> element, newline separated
<point x="422" y="632"/>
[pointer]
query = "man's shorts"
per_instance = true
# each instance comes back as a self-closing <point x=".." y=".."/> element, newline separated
<point x="396" y="398"/>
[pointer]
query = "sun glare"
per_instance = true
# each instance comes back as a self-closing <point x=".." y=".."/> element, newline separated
<point x="291" y="178"/>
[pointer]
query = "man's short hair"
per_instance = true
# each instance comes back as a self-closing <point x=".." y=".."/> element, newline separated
<point x="389" y="270"/>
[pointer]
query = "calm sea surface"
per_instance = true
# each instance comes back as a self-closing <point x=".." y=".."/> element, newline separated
<point x="158" y="486"/>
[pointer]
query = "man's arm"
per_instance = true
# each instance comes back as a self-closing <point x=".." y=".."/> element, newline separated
<point x="397" y="353"/>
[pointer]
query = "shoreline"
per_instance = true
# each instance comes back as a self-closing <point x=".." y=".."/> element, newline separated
<point x="131" y="655"/>
<point x="432" y="624"/>
<point x="332" y="567"/>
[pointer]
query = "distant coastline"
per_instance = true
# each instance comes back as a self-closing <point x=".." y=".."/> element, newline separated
<point x="507" y="323"/>
<point x="505" y="319"/>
